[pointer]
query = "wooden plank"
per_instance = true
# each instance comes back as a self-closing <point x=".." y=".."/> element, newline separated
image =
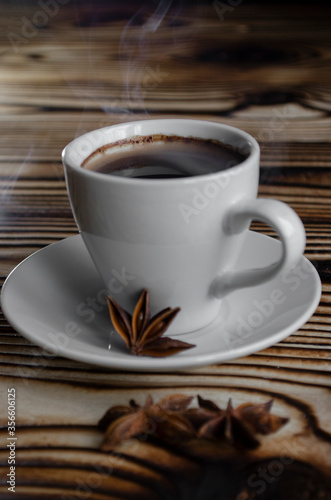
<point x="262" y="68"/>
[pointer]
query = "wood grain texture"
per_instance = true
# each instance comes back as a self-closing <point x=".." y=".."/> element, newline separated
<point x="264" y="68"/>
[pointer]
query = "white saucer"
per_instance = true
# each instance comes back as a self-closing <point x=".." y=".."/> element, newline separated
<point x="45" y="299"/>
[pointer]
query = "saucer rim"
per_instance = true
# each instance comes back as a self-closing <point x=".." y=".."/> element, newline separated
<point x="149" y="364"/>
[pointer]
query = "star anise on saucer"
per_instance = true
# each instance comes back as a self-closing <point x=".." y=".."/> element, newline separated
<point x="236" y="426"/>
<point x="163" y="420"/>
<point x="143" y="334"/>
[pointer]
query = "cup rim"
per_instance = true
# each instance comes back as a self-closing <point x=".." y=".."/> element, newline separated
<point x="89" y="138"/>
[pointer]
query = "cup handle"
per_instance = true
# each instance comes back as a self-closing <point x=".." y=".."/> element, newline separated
<point x="287" y="225"/>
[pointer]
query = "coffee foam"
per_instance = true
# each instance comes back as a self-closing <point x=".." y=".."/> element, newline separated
<point x="127" y="144"/>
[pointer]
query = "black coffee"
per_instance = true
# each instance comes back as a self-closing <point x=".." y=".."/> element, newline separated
<point x="163" y="157"/>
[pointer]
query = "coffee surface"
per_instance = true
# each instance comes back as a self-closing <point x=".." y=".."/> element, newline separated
<point x="163" y="157"/>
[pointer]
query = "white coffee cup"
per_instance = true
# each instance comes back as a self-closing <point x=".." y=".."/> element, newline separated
<point x="179" y="238"/>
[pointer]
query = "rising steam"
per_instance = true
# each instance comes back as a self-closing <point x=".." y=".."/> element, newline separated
<point x="135" y="51"/>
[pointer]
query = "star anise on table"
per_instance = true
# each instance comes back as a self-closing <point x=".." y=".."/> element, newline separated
<point x="163" y="420"/>
<point x="206" y="432"/>
<point x="236" y="426"/>
<point x="143" y="334"/>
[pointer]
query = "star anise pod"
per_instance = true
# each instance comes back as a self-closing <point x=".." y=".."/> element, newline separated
<point x="164" y="420"/>
<point x="235" y="426"/>
<point x="259" y="418"/>
<point x="141" y="333"/>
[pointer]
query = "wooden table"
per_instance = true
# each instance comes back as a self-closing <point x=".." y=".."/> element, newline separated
<point x="70" y="67"/>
